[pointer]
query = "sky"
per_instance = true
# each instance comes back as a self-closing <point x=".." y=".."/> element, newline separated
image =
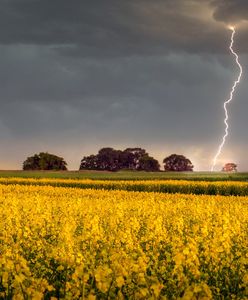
<point x="79" y="75"/>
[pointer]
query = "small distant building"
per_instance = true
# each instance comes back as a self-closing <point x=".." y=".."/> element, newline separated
<point x="229" y="167"/>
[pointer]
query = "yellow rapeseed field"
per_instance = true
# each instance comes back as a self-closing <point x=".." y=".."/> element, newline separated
<point x="165" y="186"/>
<point x="70" y="243"/>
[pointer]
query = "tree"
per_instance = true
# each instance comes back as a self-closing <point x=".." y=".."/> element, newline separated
<point x="177" y="163"/>
<point x="107" y="159"/>
<point x="89" y="163"/>
<point x="148" y="163"/>
<point x="32" y="163"/>
<point x="230" y="167"/>
<point x="44" y="161"/>
<point x="110" y="159"/>
<point x="131" y="158"/>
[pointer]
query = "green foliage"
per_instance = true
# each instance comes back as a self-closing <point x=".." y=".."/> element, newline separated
<point x="109" y="159"/>
<point x="44" y="161"/>
<point x="178" y="163"/>
<point x="148" y="163"/>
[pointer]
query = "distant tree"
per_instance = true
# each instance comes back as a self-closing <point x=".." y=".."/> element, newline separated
<point x="44" y="161"/>
<point x="148" y="163"/>
<point x="230" y="167"/>
<point x="107" y="159"/>
<point x="177" y="163"/>
<point x="32" y="163"/>
<point x="131" y="158"/>
<point x="110" y="159"/>
<point x="89" y="163"/>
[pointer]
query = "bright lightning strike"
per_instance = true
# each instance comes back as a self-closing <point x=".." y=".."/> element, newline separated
<point x="230" y="98"/>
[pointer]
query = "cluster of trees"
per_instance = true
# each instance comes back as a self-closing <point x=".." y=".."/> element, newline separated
<point x="109" y="159"/>
<point x="113" y="160"/>
<point x="177" y="163"/>
<point x="45" y="161"/>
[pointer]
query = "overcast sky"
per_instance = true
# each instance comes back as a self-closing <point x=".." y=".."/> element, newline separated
<point x="79" y="75"/>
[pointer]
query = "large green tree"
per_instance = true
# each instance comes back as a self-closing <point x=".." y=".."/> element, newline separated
<point x="107" y="159"/>
<point x="131" y="158"/>
<point x="110" y="159"/>
<point x="44" y="161"/>
<point x="148" y="163"/>
<point x="89" y="163"/>
<point x="177" y="163"/>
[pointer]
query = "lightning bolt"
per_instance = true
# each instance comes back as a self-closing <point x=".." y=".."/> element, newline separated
<point x="236" y="82"/>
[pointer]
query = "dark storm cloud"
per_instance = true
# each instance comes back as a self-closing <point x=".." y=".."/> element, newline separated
<point x="37" y="75"/>
<point x="96" y="96"/>
<point x="230" y="11"/>
<point x="109" y="28"/>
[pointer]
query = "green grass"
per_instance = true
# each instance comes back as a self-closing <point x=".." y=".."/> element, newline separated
<point x="128" y="175"/>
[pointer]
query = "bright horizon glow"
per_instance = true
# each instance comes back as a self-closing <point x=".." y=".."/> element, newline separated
<point x="230" y="98"/>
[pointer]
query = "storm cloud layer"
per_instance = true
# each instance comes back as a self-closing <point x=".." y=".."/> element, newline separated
<point x="230" y="11"/>
<point x="79" y="75"/>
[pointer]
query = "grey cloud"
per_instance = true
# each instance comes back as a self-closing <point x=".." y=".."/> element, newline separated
<point x="110" y="28"/>
<point x="230" y="11"/>
<point x="101" y="97"/>
<point x="36" y="75"/>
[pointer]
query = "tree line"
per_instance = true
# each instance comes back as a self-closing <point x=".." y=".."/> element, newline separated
<point x="110" y="159"/>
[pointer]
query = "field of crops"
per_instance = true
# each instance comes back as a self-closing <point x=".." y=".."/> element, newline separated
<point x="129" y="175"/>
<point x="71" y="243"/>
<point x="225" y="188"/>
